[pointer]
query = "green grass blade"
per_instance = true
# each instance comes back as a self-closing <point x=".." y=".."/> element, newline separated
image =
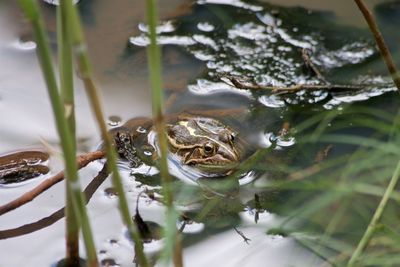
<point x="67" y="96"/>
<point x="172" y="247"/>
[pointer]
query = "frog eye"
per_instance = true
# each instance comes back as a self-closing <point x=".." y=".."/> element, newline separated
<point x="208" y="148"/>
<point x="232" y="137"/>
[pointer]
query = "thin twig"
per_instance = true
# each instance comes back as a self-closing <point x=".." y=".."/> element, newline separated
<point x="82" y="161"/>
<point x="245" y="239"/>
<point x="383" y="49"/>
<point x="305" y="53"/>
<point x="289" y="89"/>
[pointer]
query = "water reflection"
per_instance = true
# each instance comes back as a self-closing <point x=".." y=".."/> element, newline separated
<point x="262" y="42"/>
<point x="265" y="45"/>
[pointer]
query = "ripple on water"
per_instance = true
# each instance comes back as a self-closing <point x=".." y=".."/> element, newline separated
<point x="348" y="54"/>
<point x="111" y="192"/>
<point x="269" y="138"/>
<point x="205" y="26"/>
<point x="109" y="262"/>
<point x="114" y="120"/>
<point x="272" y="101"/>
<point x="247" y="177"/>
<point x="143" y="40"/>
<point x="166" y="26"/>
<point x="154" y="246"/>
<point x="190" y="227"/>
<point x="236" y="3"/>
<point x="251" y="216"/>
<point x="205" y="87"/>
<point x="24" y="45"/>
<point x="57" y="2"/>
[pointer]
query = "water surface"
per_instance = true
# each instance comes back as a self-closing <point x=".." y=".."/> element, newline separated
<point x="200" y="41"/>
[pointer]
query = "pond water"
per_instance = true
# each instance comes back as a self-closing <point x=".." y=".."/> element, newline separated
<point x="204" y="43"/>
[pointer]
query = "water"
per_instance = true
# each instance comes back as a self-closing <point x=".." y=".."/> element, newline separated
<point x="249" y="39"/>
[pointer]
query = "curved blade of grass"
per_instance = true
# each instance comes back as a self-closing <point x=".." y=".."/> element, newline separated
<point x="375" y="219"/>
<point x="356" y="140"/>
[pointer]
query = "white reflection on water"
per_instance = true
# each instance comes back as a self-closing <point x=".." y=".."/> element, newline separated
<point x="205" y="26"/>
<point x="236" y="3"/>
<point x="57" y="2"/>
<point x="228" y="249"/>
<point x="25" y="111"/>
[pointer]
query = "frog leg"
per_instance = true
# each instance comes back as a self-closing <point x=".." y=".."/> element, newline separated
<point x="126" y="148"/>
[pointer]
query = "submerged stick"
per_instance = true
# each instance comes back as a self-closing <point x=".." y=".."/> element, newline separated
<point x="290" y="89"/>
<point x="82" y="161"/>
<point x="305" y="54"/>
<point x="90" y="189"/>
<point x="383" y="49"/>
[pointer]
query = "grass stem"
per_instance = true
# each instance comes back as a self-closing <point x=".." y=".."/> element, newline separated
<point x="173" y="246"/>
<point x="67" y="96"/>
<point x="376" y="217"/>
<point x="79" y="49"/>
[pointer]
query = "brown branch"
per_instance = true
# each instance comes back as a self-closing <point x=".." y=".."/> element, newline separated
<point x="383" y="49"/>
<point x="82" y="161"/>
<point x="291" y="89"/>
<point x="22" y="157"/>
<point x="305" y="53"/>
<point x="215" y="113"/>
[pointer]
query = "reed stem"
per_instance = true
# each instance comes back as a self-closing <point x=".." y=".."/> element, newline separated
<point x="173" y="246"/>
<point x="31" y="11"/>
<point x="67" y="97"/>
<point x="84" y="69"/>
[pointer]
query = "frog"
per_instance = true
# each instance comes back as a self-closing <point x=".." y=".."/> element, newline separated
<point x="201" y="143"/>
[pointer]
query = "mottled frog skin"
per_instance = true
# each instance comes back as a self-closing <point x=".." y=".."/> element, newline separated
<point x="203" y="143"/>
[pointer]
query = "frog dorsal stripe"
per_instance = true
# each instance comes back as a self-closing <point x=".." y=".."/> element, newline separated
<point x="192" y="131"/>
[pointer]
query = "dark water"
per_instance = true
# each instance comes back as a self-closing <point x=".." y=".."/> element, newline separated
<point x="201" y="42"/>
